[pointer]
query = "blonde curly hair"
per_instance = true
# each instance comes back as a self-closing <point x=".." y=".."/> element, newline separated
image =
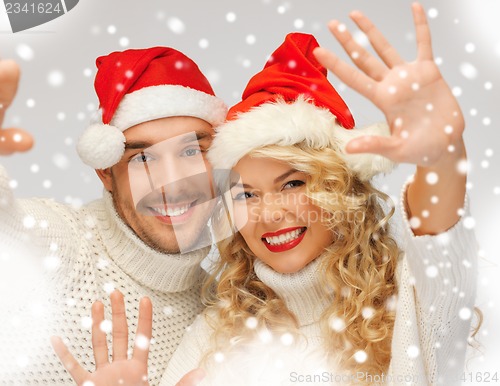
<point x="357" y="270"/>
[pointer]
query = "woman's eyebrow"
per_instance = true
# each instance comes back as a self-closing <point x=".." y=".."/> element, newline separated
<point x="285" y="175"/>
<point x="276" y="180"/>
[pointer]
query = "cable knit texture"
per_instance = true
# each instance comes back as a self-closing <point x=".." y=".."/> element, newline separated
<point x="437" y="285"/>
<point x="80" y="256"/>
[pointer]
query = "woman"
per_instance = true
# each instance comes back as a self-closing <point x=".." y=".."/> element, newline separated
<point x="309" y="281"/>
<point x="314" y="266"/>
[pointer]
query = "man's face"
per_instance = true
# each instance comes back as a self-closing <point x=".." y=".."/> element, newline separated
<point x="161" y="187"/>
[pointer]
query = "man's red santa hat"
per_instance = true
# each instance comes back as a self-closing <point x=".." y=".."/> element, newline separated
<point x="136" y="86"/>
<point x="291" y="101"/>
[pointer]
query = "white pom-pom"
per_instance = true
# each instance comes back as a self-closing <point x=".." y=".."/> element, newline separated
<point x="101" y="146"/>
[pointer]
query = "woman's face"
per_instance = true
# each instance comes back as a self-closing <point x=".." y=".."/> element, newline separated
<point x="275" y="217"/>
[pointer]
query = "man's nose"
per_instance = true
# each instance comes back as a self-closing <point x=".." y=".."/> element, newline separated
<point x="172" y="172"/>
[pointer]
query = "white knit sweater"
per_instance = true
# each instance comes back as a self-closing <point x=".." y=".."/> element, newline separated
<point x="55" y="261"/>
<point x="437" y="286"/>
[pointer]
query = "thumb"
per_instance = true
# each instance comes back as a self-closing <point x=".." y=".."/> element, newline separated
<point x="9" y="80"/>
<point x="382" y="145"/>
<point x="192" y="378"/>
<point x="15" y="140"/>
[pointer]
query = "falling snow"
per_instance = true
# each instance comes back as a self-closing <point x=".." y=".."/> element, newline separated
<point x="470" y="48"/>
<point x="61" y="161"/>
<point x="432" y="271"/>
<point x="124" y="42"/>
<point x="433" y="13"/>
<point x="55" y="78"/>
<point x="298" y="23"/>
<point x="413" y="352"/>
<point x="106" y="326"/>
<point x="465" y="63"/>
<point x="142" y="342"/>
<point x="176" y="25"/>
<point x="251" y="323"/>
<point x="432" y="178"/>
<point x="337" y="324"/>
<point x="360" y="356"/>
<point x="468" y="70"/>
<point x="465" y="313"/>
<point x="25" y="52"/>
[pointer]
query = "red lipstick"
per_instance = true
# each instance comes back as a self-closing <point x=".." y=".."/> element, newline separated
<point x="285" y="246"/>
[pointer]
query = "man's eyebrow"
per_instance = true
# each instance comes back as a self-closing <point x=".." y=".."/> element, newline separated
<point x="200" y="136"/>
<point x="134" y="145"/>
<point x="240" y="185"/>
<point x="185" y="138"/>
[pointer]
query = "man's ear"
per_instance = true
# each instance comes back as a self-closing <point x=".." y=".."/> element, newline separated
<point x="106" y="177"/>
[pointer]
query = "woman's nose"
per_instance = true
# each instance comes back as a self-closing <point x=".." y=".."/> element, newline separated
<point x="273" y="208"/>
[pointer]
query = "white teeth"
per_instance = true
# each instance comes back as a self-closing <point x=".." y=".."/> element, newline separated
<point x="172" y="212"/>
<point x="284" y="238"/>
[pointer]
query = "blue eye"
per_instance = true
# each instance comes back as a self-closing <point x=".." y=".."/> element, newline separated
<point x="293" y="184"/>
<point x="142" y="158"/>
<point x="191" y="152"/>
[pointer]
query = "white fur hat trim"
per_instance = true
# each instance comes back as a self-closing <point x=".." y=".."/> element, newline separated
<point x="101" y="146"/>
<point x="285" y="124"/>
<point x="156" y="102"/>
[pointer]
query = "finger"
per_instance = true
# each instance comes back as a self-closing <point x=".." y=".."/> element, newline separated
<point x="78" y="373"/>
<point x="423" y="32"/>
<point x="192" y="378"/>
<point x="9" y="80"/>
<point x="99" y="341"/>
<point x="365" y="61"/>
<point x="144" y="331"/>
<point x="349" y="75"/>
<point x="14" y="140"/>
<point x="384" y="146"/>
<point x="120" y="327"/>
<point x="386" y="52"/>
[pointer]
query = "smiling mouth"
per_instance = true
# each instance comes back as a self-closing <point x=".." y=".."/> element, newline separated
<point x="168" y="213"/>
<point x="282" y="238"/>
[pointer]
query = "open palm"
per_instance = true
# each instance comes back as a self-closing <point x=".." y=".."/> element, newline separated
<point x="423" y="115"/>
<point x="121" y="370"/>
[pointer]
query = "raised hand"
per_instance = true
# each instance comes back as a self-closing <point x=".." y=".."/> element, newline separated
<point x="424" y="117"/>
<point x="11" y="140"/>
<point x="120" y="370"/>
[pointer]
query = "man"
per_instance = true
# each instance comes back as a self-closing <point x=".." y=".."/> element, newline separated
<point x="145" y="237"/>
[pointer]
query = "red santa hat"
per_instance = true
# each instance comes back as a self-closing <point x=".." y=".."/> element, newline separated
<point x="291" y="101"/>
<point x="141" y="85"/>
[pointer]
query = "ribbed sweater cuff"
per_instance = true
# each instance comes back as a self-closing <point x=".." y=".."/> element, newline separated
<point x="443" y="265"/>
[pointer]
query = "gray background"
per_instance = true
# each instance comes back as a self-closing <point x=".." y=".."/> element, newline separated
<point x="56" y="96"/>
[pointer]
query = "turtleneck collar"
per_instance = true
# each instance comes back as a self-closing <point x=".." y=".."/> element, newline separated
<point x="302" y="291"/>
<point x="158" y="271"/>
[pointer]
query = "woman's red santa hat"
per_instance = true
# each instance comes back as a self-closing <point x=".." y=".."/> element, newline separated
<point x="136" y="86"/>
<point x="291" y="101"/>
